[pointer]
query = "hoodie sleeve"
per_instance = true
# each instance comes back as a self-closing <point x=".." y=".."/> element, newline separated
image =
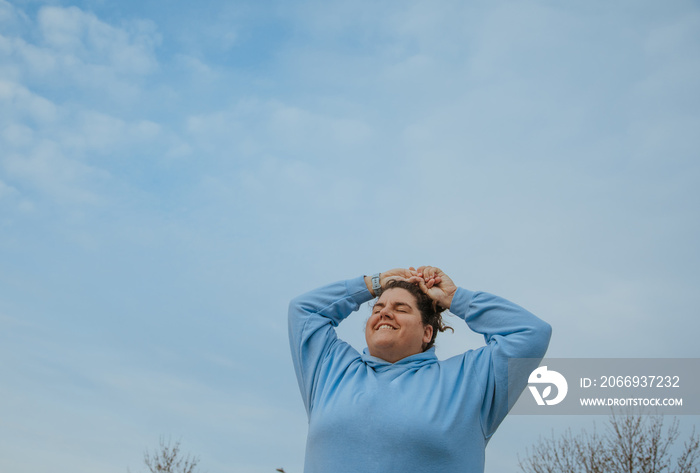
<point x="312" y="320"/>
<point x="510" y="332"/>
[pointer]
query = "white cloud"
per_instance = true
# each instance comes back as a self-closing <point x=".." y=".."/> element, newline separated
<point x="20" y="103"/>
<point x="63" y="149"/>
<point x="6" y="190"/>
<point x="271" y="127"/>
<point x="11" y="17"/>
<point x="33" y="158"/>
<point x="289" y="184"/>
<point x="47" y="170"/>
<point x="17" y="136"/>
<point x="298" y="128"/>
<point x="77" y="37"/>
<point x="196" y="67"/>
<point x="93" y="131"/>
<point x="79" y="51"/>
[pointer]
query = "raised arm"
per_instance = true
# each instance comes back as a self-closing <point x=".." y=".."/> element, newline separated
<point x="312" y="318"/>
<point x="316" y="349"/>
<point x="509" y="331"/>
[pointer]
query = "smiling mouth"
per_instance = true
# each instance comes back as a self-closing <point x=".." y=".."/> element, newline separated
<point x="386" y="327"/>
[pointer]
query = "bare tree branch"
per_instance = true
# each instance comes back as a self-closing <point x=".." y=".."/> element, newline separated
<point x="633" y="443"/>
<point x="168" y="459"/>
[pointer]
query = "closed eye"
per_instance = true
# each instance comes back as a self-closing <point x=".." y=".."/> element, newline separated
<point x="402" y="307"/>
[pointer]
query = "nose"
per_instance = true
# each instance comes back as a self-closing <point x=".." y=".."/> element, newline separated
<point x="385" y="313"/>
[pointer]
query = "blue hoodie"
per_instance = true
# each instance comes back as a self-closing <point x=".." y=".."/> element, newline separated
<point x="418" y="414"/>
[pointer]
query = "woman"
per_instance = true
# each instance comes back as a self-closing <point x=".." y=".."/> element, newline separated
<point x="396" y="407"/>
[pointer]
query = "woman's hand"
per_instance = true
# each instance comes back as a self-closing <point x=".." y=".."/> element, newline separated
<point x="436" y="284"/>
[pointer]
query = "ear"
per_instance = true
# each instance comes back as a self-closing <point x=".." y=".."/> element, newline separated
<point x="427" y="334"/>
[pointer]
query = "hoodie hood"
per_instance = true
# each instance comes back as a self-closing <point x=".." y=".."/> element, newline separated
<point x="412" y="362"/>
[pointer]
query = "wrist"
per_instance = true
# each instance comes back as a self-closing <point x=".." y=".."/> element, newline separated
<point x="447" y="303"/>
<point x="374" y="284"/>
<point x="447" y="300"/>
<point x="368" y="283"/>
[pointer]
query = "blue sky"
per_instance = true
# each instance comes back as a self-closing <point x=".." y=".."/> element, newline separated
<point x="172" y="173"/>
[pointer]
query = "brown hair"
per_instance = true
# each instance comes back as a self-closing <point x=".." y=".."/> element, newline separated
<point x="430" y="311"/>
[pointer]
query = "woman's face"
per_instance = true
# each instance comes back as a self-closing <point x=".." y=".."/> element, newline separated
<point x="395" y="329"/>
